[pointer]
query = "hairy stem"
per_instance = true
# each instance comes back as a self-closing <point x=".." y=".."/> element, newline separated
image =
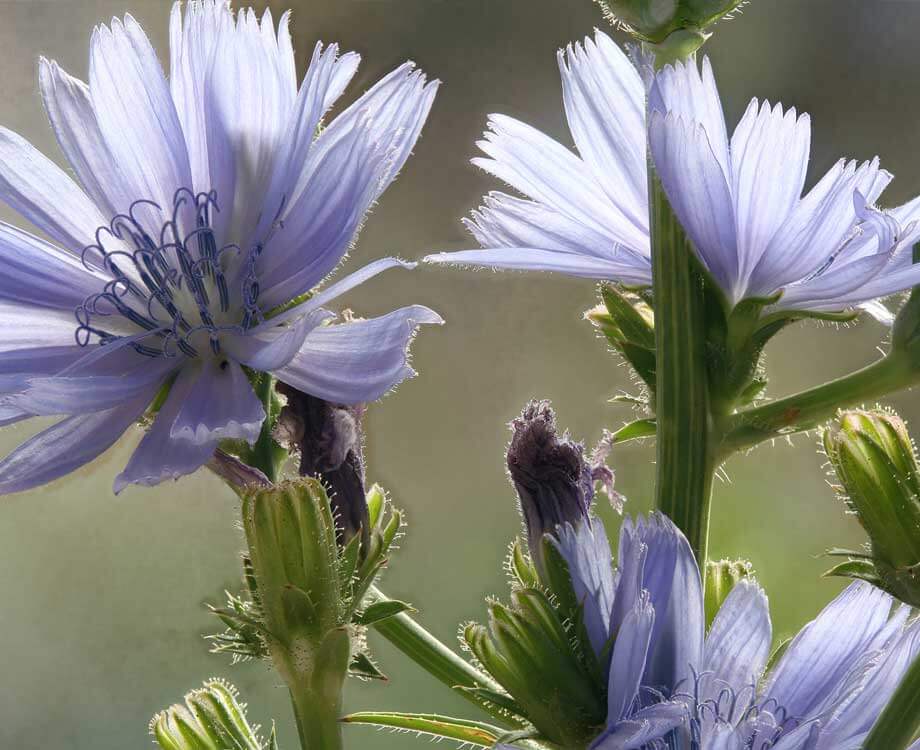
<point x="808" y="409"/>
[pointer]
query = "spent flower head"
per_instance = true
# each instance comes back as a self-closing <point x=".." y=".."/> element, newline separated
<point x="188" y="254"/>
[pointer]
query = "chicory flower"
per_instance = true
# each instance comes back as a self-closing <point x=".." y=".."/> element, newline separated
<point x="208" y="210"/>
<point x="740" y="199"/>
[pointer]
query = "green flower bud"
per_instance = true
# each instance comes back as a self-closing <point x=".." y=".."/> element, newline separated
<point x="210" y="719"/>
<point x="672" y="24"/>
<point x="874" y="458"/>
<point x="530" y="653"/>
<point x="721" y="578"/>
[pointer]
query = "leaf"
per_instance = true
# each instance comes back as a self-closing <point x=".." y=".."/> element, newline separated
<point x="381" y="611"/>
<point x="862" y="570"/>
<point x="444" y="727"/>
<point x="641" y="428"/>
<point x="501" y="700"/>
<point x="362" y="667"/>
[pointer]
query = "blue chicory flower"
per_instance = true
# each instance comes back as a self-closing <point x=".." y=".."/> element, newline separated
<point x="673" y="686"/>
<point x="740" y="200"/>
<point x="209" y="209"/>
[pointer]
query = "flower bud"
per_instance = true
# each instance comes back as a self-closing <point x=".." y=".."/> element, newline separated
<point x="552" y="480"/>
<point x="874" y="458"/>
<point x="670" y="23"/>
<point x="721" y="578"/>
<point x="211" y="719"/>
<point x="328" y="438"/>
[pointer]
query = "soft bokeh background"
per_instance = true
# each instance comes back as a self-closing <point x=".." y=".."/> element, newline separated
<point x="100" y="597"/>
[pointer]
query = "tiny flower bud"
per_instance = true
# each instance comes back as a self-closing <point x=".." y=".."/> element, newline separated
<point x="552" y="480"/>
<point x="874" y="458"/>
<point x="721" y="578"/>
<point x="664" y="21"/>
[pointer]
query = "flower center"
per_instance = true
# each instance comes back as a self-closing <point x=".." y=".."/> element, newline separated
<point x="175" y="287"/>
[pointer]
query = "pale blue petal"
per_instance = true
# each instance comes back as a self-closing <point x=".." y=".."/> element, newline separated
<point x="91" y="391"/>
<point x="27" y="326"/>
<point x="43" y="193"/>
<point x="533" y="259"/>
<point x="357" y="361"/>
<point x="505" y="221"/>
<point x="587" y="554"/>
<point x="18" y="365"/>
<point x="70" y="110"/>
<point x="825" y="651"/>
<point x="648" y="724"/>
<point x="336" y="289"/>
<point x="738" y="644"/>
<point x="627" y="664"/>
<point x="605" y="107"/>
<point x="220" y="405"/>
<point x="769" y="151"/>
<point x="352" y="162"/>
<point x="698" y="192"/>
<point x="68" y="445"/>
<point x="547" y="172"/>
<point x="248" y="97"/>
<point x="36" y="272"/>
<point x="858" y="715"/>
<point x="159" y="457"/>
<point x="816" y="229"/>
<point x="327" y="76"/>
<point x="689" y="95"/>
<point x="672" y="578"/>
<point x="272" y="348"/>
<point x="136" y="114"/>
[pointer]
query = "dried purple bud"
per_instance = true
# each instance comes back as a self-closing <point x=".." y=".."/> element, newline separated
<point x="552" y="480"/>
<point x="328" y="437"/>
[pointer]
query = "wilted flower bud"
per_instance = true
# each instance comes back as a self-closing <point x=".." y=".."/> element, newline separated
<point x="210" y="718"/>
<point x="874" y="458"/>
<point x="328" y="438"/>
<point x="552" y="480"/>
<point x="670" y="23"/>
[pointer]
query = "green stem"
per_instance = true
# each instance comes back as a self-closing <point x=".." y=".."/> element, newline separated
<point x="436" y="658"/>
<point x="685" y="460"/>
<point x="806" y="410"/>
<point x="263" y="452"/>
<point x="318" y="725"/>
<point x="900" y="721"/>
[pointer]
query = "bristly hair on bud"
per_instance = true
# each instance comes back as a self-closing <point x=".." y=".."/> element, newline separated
<point x="875" y="461"/>
<point x="654" y="21"/>
<point x="553" y="482"/>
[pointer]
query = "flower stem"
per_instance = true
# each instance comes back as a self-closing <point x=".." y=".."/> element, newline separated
<point x="685" y="460"/>
<point x="900" y="721"/>
<point x="806" y="410"/>
<point x="318" y="725"/>
<point x="434" y="657"/>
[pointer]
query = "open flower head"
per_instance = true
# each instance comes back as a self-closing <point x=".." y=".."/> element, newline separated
<point x="676" y="685"/>
<point x="740" y="198"/>
<point x="206" y="211"/>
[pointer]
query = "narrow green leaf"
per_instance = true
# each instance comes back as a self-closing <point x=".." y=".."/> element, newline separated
<point x="862" y="570"/>
<point x="381" y="611"/>
<point x="641" y="428"/>
<point x="445" y="727"/>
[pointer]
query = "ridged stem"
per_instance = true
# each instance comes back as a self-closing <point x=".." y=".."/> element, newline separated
<point x="685" y="459"/>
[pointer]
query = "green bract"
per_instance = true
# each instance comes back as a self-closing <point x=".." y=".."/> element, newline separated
<point x="676" y="25"/>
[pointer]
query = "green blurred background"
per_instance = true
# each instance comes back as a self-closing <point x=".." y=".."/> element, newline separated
<point x="100" y="597"/>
